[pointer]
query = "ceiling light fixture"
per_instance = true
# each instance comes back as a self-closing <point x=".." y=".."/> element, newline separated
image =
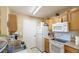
<point x="36" y="10"/>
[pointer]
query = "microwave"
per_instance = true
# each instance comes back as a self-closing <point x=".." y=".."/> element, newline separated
<point x="60" y="27"/>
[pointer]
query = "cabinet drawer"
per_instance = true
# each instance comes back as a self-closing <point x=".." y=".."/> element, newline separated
<point x="69" y="49"/>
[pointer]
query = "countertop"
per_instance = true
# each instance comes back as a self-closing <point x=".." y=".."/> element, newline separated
<point x="72" y="44"/>
<point x="3" y="45"/>
<point x="48" y="37"/>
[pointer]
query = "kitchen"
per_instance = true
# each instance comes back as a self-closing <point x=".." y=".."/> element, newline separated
<point x="65" y="32"/>
<point x="50" y="29"/>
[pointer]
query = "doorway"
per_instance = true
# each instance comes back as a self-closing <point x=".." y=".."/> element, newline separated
<point x="29" y="32"/>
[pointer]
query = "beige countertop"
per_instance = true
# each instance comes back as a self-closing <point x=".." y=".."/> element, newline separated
<point x="48" y="37"/>
<point x="72" y="44"/>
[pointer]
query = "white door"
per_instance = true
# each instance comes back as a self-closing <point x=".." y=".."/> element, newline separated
<point x="29" y="32"/>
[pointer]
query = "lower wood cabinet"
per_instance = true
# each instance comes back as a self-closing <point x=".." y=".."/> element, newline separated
<point x="68" y="49"/>
<point x="46" y="45"/>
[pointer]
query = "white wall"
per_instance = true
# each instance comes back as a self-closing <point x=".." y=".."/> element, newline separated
<point x="20" y="24"/>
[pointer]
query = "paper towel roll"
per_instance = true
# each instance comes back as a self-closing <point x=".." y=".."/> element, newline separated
<point x="77" y="40"/>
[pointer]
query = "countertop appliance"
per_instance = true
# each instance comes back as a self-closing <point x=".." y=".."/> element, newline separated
<point x="77" y="40"/>
<point x="60" y="27"/>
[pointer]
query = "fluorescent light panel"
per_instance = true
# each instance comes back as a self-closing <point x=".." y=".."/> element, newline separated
<point x="36" y="10"/>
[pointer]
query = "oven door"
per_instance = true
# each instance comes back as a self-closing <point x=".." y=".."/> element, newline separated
<point x="56" y="48"/>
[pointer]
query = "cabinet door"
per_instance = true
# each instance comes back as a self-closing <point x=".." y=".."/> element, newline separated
<point x="12" y="23"/>
<point x="74" y="20"/>
<point x="0" y="25"/>
<point x="57" y="19"/>
<point x="68" y="49"/>
<point x="50" y="24"/>
<point x="49" y="21"/>
<point x="46" y="45"/>
<point x="64" y="17"/>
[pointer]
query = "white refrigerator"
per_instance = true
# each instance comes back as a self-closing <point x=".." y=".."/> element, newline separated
<point x="42" y="32"/>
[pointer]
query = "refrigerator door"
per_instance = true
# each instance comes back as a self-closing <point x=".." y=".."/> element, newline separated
<point x="42" y="32"/>
<point x="45" y="31"/>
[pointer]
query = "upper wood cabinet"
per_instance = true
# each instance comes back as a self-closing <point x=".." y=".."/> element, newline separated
<point x="56" y="19"/>
<point x="69" y="15"/>
<point x="50" y="24"/>
<point x="46" y="21"/>
<point x="12" y="23"/>
<point x="74" y="20"/>
<point x="49" y="21"/>
<point x="64" y="16"/>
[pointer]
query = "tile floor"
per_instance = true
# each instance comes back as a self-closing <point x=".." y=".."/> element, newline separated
<point x="34" y="50"/>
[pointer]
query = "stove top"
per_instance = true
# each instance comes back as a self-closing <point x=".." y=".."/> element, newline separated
<point x="59" y="40"/>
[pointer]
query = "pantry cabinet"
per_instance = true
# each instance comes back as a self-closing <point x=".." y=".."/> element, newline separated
<point x="12" y="23"/>
<point x="74" y="20"/>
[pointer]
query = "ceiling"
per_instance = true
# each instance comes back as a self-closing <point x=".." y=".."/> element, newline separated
<point x="44" y="11"/>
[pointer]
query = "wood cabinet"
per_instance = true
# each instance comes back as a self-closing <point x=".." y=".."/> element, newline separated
<point x="69" y="15"/>
<point x="61" y="18"/>
<point x="57" y="19"/>
<point x="12" y="23"/>
<point x="68" y="49"/>
<point x="74" y="20"/>
<point x="50" y="24"/>
<point x="64" y="16"/>
<point x="49" y="21"/>
<point x="72" y="17"/>
<point x="46" y="45"/>
<point x="0" y="25"/>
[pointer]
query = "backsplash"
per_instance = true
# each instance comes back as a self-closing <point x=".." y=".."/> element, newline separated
<point x="65" y="35"/>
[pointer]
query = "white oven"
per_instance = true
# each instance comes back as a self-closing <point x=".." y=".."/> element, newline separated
<point x="56" y="47"/>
